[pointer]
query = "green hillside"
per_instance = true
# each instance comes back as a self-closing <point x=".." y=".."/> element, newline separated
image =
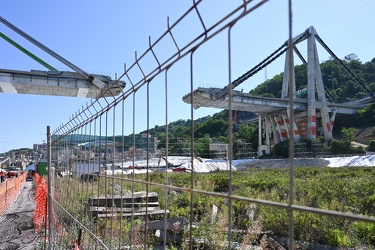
<point x="340" y="87"/>
<point x="338" y="83"/>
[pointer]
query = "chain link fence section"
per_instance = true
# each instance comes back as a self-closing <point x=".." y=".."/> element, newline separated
<point x="115" y="192"/>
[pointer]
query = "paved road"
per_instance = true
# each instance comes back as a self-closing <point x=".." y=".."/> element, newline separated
<point x="16" y="225"/>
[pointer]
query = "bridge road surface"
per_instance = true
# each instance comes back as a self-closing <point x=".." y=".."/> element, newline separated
<point x="16" y="224"/>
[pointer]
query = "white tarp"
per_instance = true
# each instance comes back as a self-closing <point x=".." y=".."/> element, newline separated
<point x="209" y="165"/>
<point x="353" y="161"/>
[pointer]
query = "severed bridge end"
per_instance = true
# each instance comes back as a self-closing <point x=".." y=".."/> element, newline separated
<point x="58" y="83"/>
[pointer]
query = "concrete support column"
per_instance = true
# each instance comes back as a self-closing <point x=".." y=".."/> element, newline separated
<point x="286" y="124"/>
<point x="286" y="78"/>
<point x="326" y="122"/>
<point x="280" y="128"/>
<point x="333" y="118"/>
<point x="285" y="86"/>
<point x="295" y="128"/>
<point x="268" y="130"/>
<point x="263" y="149"/>
<point x="260" y="151"/>
<point x="259" y="130"/>
<point x="276" y="135"/>
<point x="311" y="111"/>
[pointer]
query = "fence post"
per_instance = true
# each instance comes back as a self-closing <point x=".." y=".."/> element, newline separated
<point x="49" y="194"/>
<point x="6" y="193"/>
<point x="45" y="225"/>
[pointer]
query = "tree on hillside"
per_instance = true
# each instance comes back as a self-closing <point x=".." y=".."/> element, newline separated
<point x="271" y="87"/>
<point x="248" y="133"/>
<point x="371" y="147"/>
<point x="366" y="115"/>
<point x="211" y="127"/>
<point x="351" y="57"/>
<point x="348" y="134"/>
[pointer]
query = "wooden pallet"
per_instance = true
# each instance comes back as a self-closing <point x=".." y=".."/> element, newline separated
<point x="136" y="204"/>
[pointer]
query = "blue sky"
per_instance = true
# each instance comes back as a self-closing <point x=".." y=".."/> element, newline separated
<point x="101" y="36"/>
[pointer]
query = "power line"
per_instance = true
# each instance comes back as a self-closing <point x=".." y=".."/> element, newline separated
<point x="367" y="5"/>
<point x="343" y="17"/>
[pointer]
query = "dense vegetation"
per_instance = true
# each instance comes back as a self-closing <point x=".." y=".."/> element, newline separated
<point x="343" y="189"/>
<point x="346" y="189"/>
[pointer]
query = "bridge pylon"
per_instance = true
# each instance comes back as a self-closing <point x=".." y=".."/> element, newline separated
<point x="315" y="90"/>
<point x="311" y="114"/>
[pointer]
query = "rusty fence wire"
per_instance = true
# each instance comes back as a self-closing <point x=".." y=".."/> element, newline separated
<point x="113" y="188"/>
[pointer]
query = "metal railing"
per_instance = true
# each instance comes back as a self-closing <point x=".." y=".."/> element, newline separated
<point x="103" y="209"/>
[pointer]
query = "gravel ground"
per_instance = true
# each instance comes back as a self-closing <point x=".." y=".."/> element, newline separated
<point x="16" y="224"/>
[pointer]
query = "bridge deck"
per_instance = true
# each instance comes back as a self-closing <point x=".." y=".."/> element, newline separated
<point x="204" y="97"/>
<point x="57" y="83"/>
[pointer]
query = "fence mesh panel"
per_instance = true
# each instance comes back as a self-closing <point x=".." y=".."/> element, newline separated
<point x="114" y="188"/>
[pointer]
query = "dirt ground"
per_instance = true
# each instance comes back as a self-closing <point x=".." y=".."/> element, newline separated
<point x="16" y="224"/>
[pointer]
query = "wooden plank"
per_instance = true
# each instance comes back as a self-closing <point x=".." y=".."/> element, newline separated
<point x="135" y="194"/>
<point x="117" y="200"/>
<point x="158" y="212"/>
<point x="118" y="209"/>
<point x="129" y="205"/>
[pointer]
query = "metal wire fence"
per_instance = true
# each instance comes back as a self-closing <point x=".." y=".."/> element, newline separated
<point x="108" y="192"/>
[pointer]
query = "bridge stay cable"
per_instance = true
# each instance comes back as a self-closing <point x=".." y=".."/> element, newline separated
<point x="344" y="66"/>
<point x="277" y="53"/>
<point x="272" y="57"/>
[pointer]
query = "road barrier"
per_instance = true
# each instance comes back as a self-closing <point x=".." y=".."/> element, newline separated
<point x="9" y="191"/>
<point x="40" y="212"/>
<point x="40" y="219"/>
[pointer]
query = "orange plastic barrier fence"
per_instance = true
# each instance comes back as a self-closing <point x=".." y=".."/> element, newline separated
<point x="76" y="245"/>
<point x="9" y="191"/>
<point x="40" y="211"/>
